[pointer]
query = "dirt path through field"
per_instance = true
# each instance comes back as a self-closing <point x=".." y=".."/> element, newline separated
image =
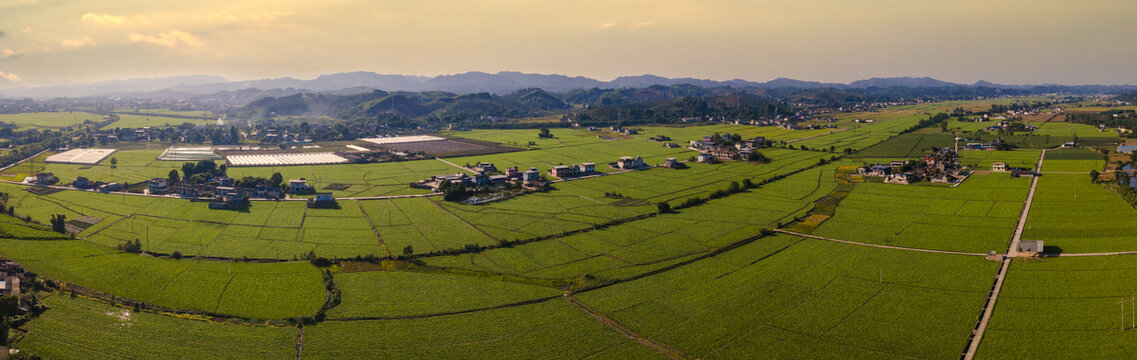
<point x="878" y="245"/>
<point x="659" y="347"/>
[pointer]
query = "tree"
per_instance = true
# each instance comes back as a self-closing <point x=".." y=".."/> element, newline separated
<point x="747" y="184"/>
<point x="758" y="157"/>
<point x="734" y="187"/>
<point x="1094" y="176"/>
<point x="408" y="250"/>
<point x="174" y="178"/>
<point x="663" y="207"/>
<point x="114" y="162"/>
<point x="544" y="133"/>
<point x="276" y="179"/>
<point x="59" y="223"/>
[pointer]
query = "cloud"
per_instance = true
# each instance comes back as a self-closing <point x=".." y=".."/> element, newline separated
<point x="608" y="25"/>
<point x="9" y="77"/>
<point x="1" y="34"/>
<point x="172" y="38"/>
<point x="80" y="42"/>
<point x="26" y="30"/>
<point x="7" y="53"/>
<point x="103" y="18"/>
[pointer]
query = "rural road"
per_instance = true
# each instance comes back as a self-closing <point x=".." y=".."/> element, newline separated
<point x="1012" y="252"/>
<point x="878" y="245"/>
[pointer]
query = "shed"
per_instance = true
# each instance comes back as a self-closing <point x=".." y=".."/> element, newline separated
<point x="1031" y="246"/>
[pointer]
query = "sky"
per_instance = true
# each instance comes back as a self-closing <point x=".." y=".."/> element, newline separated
<point x="52" y="42"/>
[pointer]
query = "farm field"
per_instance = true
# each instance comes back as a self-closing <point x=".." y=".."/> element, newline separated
<point x="85" y="329"/>
<point x="1076" y="312"/>
<point x="552" y="329"/>
<point x="1072" y="160"/>
<point x="51" y="120"/>
<point x="1073" y="215"/>
<point x="784" y="296"/>
<point x="909" y="145"/>
<point x="264" y="291"/>
<point x="633" y="248"/>
<point x="156" y="121"/>
<point x="978" y="216"/>
<point x="981" y="159"/>
<point x="587" y="268"/>
<point x="378" y="294"/>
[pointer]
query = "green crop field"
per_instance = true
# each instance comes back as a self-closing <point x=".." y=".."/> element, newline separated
<point x="977" y="216"/>
<point x="1075" y="216"/>
<point x="636" y="247"/>
<point x="981" y="159"/>
<point x="1072" y="160"/>
<point x="907" y="146"/>
<point x="591" y="268"/>
<point x="156" y="120"/>
<point x="377" y="294"/>
<point x="787" y="297"/>
<point x="552" y="329"/>
<point x="51" y="120"/>
<point x="1059" y="308"/>
<point x="84" y="329"/>
<point x="267" y="291"/>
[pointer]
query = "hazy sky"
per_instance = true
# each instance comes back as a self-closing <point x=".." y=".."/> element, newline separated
<point x="44" y="42"/>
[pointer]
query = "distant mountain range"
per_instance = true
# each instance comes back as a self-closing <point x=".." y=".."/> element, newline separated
<point x="471" y="82"/>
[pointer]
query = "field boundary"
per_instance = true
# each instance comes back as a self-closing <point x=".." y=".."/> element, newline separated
<point x="946" y="252"/>
<point x="659" y="347"/>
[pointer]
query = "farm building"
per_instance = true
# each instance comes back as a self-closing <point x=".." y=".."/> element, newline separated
<point x="158" y="186"/>
<point x="586" y="168"/>
<point x="998" y="166"/>
<point x="561" y="171"/>
<point x="628" y="162"/>
<point x="80" y="156"/>
<point x="670" y="163"/>
<point x="485" y="167"/>
<point x="81" y="183"/>
<point x="531" y="175"/>
<point x="322" y="201"/>
<point x="46" y="179"/>
<point x="228" y="201"/>
<point x="1035" y="246"/>
<point x="298" y="185"/>
<point x="110" y="187"/>
<point x="704" y="158"/>
<point x="188" y="154"/>
<point x="1020" y="172"/>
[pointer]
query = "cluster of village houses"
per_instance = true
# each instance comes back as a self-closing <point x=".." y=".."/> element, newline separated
<point x="942" y="166"/>
<point x="487" y="175"/>
<point x="723" y="148"/>
<point x="221" y="191"/>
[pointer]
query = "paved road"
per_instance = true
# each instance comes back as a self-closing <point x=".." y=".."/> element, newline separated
<point x="1012" y="252"/>
<point x="977" y="333"/>
<point x="878" y="245"/>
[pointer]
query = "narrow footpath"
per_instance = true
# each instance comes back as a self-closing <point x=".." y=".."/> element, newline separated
<point x="878" y="245"/>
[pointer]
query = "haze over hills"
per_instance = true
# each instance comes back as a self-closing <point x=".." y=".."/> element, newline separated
<point x="470" y="82"/>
